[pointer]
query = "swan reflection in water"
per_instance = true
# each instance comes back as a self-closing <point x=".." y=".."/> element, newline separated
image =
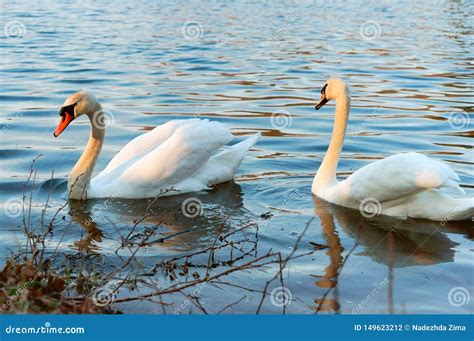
<point x="392" y="242"/>
<point x="387" y="241"/>
<point x="183" y="222"/>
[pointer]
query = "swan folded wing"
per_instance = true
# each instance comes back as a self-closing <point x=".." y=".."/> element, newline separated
<point x="179" y="157"/>
<point x="143" y="144"/>
<point x="400" y="175"/>
<point x="221" y="167"/>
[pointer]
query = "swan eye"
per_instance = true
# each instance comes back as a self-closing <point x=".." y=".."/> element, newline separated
<point x="67" y="109"/>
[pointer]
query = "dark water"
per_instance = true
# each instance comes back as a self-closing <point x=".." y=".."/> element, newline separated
<point x="254" y="67"/>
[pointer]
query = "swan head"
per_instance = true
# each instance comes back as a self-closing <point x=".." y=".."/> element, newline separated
<point x="333" y="89"/>
<point x="78" y="104"/>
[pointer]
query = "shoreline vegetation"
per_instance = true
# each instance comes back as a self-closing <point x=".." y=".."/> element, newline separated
<point x="28" y="281"/>
<point x="38" y="279"/>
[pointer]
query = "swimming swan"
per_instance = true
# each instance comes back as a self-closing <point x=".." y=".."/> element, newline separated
<point x="177" y="157"/>
<point x="402" y="185"/>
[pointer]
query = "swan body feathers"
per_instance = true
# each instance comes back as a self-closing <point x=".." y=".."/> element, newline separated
<point x="402" y="185"/>
<point x="177" y="157"/>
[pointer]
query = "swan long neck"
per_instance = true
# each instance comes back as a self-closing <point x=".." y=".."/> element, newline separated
<point x="81" y="174"/>
<point x="326" y="174"/>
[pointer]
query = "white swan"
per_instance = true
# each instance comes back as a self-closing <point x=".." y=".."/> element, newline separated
<point x="402" y="185"/>
<point x="177" y="157"/>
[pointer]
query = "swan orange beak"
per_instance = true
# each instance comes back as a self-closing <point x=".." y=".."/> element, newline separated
<point x="66" y="118"/>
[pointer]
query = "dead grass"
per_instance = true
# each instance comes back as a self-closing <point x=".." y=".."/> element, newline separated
<point x="26" y="289"/>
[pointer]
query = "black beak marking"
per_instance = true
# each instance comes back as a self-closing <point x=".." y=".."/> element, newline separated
<point x="323" y="90"/>
<point x="67" y="109"/>
<point x="323" y="99"/>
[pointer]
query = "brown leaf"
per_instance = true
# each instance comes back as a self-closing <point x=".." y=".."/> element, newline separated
<point x="56" y="283"/>
<point x="327" y="304"/>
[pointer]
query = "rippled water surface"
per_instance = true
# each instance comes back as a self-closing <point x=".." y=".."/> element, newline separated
<point x="256" y="68"/>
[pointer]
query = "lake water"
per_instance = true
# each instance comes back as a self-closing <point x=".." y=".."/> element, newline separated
<point x="256" y="67"/>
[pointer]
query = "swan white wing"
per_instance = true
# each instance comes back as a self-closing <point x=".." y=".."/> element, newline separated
<point x="144" y="143"/>
<point x="222" y="166"/>
<point x="397" y="176"/>
<point x="176" y="159"/>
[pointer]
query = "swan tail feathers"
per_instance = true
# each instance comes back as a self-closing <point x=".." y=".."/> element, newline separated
<point x="246" y="144"/>
<point x="237" y="152"/>
<point x="452" y="188"/>
<point x="233" y="156"/>
<point x="463" y="210"/>
<point x="222" y="166"/>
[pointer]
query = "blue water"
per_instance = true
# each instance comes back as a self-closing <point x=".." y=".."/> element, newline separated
<point x="256" y="67"/>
